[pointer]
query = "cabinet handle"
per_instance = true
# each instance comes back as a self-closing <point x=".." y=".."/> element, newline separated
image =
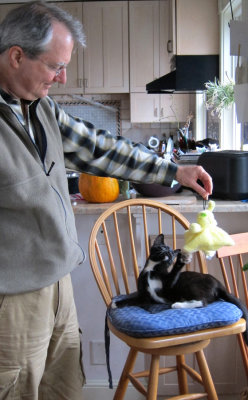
<point x="162" y="112"/>
<point x="85" y="83"/>
<point x="80" y="82"/>
<point x="170" y="46"/>
<point x="155" y="111"/>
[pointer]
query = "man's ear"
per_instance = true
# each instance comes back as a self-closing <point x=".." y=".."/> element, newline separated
<point x="16" y="55"/>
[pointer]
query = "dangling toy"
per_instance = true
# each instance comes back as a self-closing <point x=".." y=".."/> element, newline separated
<point x="205" y="235"/>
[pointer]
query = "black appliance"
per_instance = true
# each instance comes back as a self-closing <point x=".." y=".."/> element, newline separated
<point x="229" y="171"/>
<point x="190" y="75"/>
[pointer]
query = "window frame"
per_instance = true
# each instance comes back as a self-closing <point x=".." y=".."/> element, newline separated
<point x="230" y="129"/>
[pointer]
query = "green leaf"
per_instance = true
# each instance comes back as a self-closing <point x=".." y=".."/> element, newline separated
<point x="219" y="95"/>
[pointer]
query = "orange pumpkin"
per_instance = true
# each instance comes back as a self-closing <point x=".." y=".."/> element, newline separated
<point x="96" y="189"/>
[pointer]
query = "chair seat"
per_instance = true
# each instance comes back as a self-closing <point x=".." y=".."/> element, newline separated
<point x="160" y="320"/>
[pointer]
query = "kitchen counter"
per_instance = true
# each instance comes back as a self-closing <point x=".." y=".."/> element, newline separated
<point x="185" y="202"/>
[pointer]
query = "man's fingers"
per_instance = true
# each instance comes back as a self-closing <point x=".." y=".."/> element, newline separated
<point x="190" y="175"/>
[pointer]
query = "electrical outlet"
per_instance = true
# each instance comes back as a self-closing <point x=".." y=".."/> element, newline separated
<point x="97" y="352"/>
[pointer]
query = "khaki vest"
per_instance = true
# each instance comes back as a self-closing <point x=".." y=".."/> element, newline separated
<point x="38" y="243"/>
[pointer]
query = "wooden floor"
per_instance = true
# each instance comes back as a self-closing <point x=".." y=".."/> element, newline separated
<point x="222" y="397"/>
<point x="107" y="394"/>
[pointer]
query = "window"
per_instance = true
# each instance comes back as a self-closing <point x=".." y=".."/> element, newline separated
<point x="230" y="130"/>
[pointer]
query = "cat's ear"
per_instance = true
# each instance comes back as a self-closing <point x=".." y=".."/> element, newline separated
<point x="159" y="240"/>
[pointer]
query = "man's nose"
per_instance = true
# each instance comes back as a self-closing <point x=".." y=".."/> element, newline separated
<point x="61" y="77"/>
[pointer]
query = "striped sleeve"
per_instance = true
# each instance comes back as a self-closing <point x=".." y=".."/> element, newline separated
<point x="97" y="152"/>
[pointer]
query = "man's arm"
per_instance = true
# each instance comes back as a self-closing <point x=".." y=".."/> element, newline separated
<point x="99" y="153"/>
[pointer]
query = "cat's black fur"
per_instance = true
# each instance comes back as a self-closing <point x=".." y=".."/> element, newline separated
<point x="158" y="283"/>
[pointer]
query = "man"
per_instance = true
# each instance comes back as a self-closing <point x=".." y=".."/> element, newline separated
<point x="40" y="346"/>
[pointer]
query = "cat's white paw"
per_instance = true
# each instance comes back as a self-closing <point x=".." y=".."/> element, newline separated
<point x="178" y="305"/>
<point x="187" y="304"/>
<point x="186" y="257"/>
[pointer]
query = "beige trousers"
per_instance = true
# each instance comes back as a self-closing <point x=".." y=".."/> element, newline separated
<point x="40" y="352"/>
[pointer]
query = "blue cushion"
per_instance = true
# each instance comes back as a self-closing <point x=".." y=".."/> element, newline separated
<point x="161" y="320"/>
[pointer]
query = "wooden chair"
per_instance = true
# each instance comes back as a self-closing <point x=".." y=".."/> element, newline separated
<point x="232" y="259"/>
<point x="108" y="249"/>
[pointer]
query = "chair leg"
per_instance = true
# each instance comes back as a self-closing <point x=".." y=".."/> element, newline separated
<point x="153" y="378"/>
<point x="123" y="382"/>
<point x="182" y="375"/>
<point x="206" y="376"/>
<point x="244" y="352"/>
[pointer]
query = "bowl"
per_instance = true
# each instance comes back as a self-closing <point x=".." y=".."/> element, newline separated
<point x="155" y="189"/>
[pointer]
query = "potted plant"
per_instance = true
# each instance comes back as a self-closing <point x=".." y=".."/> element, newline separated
<point x="219" y="96"/>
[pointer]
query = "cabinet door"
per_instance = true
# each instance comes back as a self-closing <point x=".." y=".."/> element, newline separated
<point x="147" y="108"/>
<point x="106" y="54"/>
<point x="174" y="107"/>
<point x="166" y="35"/>
<point x="144" y="107"/>
<point x="144" y="43"/>
<point x="171" y="41"/>
<point x="197" y="25"/>
<point x="74" y="71"/>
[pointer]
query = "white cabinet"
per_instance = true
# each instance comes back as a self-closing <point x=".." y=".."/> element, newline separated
<point x="146" y="108"/>
<point x="106" y="61"/>
<point x="149" y="33"/>
<point x="174" y="107"/>
<point x="197" y="27"/>
<point x="74" y="71"/>
<point x="144" y="43"/>
<point x="151" y="47"/>
<point x="101" y="67"/>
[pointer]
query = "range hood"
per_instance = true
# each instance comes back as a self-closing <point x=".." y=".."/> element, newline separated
<point x="189" y="76"/>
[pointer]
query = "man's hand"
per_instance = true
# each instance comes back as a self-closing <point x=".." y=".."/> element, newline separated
<point x="189" y="175"/>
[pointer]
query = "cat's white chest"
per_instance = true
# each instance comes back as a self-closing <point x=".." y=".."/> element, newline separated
<point x="153" y="286"/>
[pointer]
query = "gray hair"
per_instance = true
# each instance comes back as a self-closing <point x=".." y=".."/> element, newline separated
<point x="30" y="27"/>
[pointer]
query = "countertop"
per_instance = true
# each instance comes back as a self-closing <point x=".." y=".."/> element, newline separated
<point x="185" y="202"/>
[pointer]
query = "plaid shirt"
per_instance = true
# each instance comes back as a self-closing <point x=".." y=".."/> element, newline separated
<point x="97" y="152"/>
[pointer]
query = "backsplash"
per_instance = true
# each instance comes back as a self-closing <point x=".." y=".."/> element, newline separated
<point x="102" y="114"/>
<point x="94" y="109"/>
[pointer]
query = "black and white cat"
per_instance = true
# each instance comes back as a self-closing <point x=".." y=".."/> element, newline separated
<point x="161" y="281"/>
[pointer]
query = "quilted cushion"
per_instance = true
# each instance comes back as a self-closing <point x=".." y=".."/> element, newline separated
<point x="161" y="320"/>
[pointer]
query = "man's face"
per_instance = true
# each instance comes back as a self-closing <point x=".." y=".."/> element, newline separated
<point x="36" y="76"/>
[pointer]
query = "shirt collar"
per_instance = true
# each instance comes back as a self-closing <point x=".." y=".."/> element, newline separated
<point x="12" y="101"/>
<point x="8" y="98"/>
